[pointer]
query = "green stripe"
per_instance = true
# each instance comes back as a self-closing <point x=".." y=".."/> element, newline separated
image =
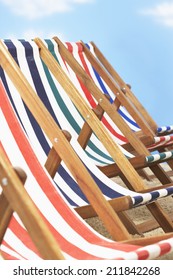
<point x="66" y="111"/>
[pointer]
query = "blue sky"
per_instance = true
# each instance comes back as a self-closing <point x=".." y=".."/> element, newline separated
<point x="135" y="35"/>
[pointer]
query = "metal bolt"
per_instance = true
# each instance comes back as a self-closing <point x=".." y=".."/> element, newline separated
<point x="100" y="100"/>
<point x="56" y="140"/>
<point x="88" y="116"/>
<point x="4" y="181"/>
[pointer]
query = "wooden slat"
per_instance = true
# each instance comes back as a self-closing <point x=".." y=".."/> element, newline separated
<point x="118" y="204"/>
<point x="149" y="240"/>
<point x="53" y="160"/>
<point x="86" y="130"/>
<point x="21" y="203"/>
<point x="5" y="209"/>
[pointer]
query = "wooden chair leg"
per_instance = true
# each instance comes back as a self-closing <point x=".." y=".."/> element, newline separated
<point x="5" y="209"/>
<point x="22" y="204"/>
<point x="5" y="215"/>
<point x="132" y="228"/>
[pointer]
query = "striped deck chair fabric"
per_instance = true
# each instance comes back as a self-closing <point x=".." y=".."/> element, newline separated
<point x="26" y="54"/>
<point x="68" y="187"/>
<point x="76" y="239"/>
<point x="47" y="89"/>
<point x="73" y="119"/>
<point x="168" y="129"/>
<point x="77" y="50"/>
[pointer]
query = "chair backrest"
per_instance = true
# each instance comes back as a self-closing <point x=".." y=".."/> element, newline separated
<point x="76" y="239"/>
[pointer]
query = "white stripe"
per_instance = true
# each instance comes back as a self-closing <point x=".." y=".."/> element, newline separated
<point x="19" y="246"/>
<point x="47" y="208"/>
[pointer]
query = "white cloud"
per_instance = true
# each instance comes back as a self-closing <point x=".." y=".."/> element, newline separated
<point x="33" y="9"/>
<point x="163" y="13"/>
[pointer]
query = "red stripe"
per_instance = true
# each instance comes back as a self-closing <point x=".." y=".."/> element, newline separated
<point x="87" y="92"/>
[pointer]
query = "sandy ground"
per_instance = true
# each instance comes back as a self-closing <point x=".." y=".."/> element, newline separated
<point x="138" y="215"/>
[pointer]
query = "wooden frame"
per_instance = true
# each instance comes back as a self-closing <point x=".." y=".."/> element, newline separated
<point x="110" y="109"/>
<point x="15" y="198"/>
<point x="99" y="130"/>
<point x="101" y="206"/>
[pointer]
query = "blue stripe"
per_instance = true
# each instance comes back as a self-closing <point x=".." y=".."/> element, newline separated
<point x="159" y="129"/>
<point x="111" y="100"/>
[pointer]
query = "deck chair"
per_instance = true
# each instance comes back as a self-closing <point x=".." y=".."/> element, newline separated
<point x="38" y="223"/>
<point x="158" y="172"/>
<point x="87" y="61"/>
<point x="105" y="189"/>
<point x="159" y="141"/>
<point x="111" y="88"/>
<point x="158" y="130"/>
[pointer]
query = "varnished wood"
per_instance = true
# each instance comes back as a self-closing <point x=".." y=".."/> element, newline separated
<point x="53" y="160"/>
<point x="20" y="202"/>
<point x="5" y="215"/>
<point x="86" y="130"/>
<point x="118" y="204"/>
<point x="148" y="240"/>
<point x="5" y="209"/>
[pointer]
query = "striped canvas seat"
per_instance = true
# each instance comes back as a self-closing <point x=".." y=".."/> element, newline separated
<point x="77" y="50"/>
<point x="51" y="92"/>
<point x="75" y="238"/>
<point x="68" y="187"/>
<point x="55" y="99"/>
